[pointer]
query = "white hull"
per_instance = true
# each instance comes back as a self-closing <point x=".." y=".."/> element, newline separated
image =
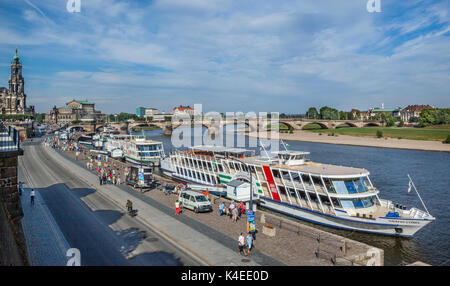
<point x="146" y="162"/>
<point x="384" y="226"/>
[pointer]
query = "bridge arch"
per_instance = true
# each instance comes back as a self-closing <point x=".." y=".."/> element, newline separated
<point x="76" y="128"/>
<point x="346" y="124"/>
<point x="322" y="125"/>
<point x="372" y="124"/>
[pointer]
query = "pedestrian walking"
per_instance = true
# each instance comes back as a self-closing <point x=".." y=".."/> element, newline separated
<point x="241" y="241"/>
<point x="235" y="214"/>
<point x="129" y="206"/>
<point x="19" y="186"/>
<point x="32" y="194"/>
<point x="249" y="239"/>
<point x="221" y="208"/>
<point x="177" y="207"/>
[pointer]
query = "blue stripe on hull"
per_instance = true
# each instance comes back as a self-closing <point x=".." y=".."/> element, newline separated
<point x="332" y="225"/>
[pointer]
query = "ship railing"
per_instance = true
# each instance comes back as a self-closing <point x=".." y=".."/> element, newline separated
<point x="417" y="213"/>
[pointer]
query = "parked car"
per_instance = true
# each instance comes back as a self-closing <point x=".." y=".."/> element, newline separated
<point x="194" y="201"/>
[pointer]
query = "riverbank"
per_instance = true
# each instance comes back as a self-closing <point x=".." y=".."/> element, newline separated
<point x="395" y="143"/>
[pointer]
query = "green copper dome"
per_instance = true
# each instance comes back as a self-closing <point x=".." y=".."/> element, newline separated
<point x="16" y="57"/>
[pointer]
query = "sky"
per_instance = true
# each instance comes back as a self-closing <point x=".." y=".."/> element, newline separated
<point x="230" y="56"/>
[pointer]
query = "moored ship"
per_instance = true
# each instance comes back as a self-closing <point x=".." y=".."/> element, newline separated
<point x="332" y="195"/>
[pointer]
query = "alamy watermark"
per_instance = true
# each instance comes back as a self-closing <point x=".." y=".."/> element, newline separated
<point x="226" y="129"/>
<point x="373" y="6"/>
<point x="73" y="6"/>
<point x="74" y="256"/>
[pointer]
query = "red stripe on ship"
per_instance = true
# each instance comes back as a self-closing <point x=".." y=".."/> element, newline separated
<point x="271" y="183"/>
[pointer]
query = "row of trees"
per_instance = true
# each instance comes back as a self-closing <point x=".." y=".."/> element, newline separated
<point x="434" y="116"/>
<point x="123" y="116"/>
<point x="329" y="113"/>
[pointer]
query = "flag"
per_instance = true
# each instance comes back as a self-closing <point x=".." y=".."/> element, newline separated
<point x="409" y="186"/>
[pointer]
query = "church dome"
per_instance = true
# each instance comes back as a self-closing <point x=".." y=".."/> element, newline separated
<point x="16" y="57"/>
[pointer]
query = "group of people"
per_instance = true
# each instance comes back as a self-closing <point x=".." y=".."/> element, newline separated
<point x="245" y="243"/>
<point x="232" y="210"/>
<point x="108" y="176"/>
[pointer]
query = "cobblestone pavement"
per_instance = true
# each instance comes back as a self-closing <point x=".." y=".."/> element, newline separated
<point x="294" y="243"/>
<point x="46" y="245"/>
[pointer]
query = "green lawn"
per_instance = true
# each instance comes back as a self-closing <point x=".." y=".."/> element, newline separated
<point x="145" y="128"/>
<point x="280" y="126"/>
<point x="392" y="132"/>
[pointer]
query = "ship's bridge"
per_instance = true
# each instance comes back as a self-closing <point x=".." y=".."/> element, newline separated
<point x="291" y="158"/>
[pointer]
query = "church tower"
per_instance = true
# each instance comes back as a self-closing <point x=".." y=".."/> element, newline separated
<point x="16" y="101"/>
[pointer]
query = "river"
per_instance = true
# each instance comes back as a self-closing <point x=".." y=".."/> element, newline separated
<point x="430" y="172"/>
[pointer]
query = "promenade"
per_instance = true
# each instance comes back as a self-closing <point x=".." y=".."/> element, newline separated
<point x="294" y="244"/>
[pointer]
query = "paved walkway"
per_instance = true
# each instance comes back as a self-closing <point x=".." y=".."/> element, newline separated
<point x="175" y="230"/>
<point x="46" y="245"/>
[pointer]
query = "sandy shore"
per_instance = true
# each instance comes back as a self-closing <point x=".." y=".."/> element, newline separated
<point x="395" y="143"/>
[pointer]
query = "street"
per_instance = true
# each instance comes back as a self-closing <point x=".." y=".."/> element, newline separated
<point x="78" y="216"/>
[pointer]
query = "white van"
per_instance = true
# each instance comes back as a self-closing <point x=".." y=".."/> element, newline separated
<point x="194" y="201"/>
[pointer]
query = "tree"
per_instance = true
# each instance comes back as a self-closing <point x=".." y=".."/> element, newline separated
<point x="312" y="113"/>
<point x="329" y="113"/>
<point x="343" y="115"/>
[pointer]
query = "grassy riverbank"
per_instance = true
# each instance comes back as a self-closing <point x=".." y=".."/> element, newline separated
<point x="145" y="128"/>
<point x="433" y="134"/>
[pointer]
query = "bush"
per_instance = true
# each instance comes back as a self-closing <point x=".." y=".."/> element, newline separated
<point x="447" y="140"/>
<point x="379" y="134"/>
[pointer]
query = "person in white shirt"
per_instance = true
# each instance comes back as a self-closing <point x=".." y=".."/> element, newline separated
<point x="32" y="194"/>
<point x="241" y="240"/>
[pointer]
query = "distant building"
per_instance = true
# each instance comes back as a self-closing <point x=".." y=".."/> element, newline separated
<point x="394" y="111"/>
<point x="362" y="114"/>
<point x="140" y="111"/>
<point x="183" y="109"/>
<point x="146" y="112"/>
<point x="412" y="111"/>
<point x="13" y="100"/>
<point x="82" y="110"/>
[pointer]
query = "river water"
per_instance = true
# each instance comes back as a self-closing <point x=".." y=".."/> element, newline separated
<point x="430" y="172"/>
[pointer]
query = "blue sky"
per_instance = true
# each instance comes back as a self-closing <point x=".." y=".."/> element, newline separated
<point x="229" y="55"/>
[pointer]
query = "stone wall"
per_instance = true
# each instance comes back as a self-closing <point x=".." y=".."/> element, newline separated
<point x="12" y="240"/>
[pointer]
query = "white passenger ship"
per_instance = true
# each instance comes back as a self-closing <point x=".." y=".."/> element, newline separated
<point x="331" y="195"/>
<point x="136" y="149"/>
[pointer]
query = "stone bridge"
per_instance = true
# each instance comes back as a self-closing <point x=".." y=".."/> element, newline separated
<point x="253" y="124"/>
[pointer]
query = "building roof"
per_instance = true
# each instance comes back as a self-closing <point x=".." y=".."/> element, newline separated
<point x="377" y="109"/>
<point x="416" y="107"/>
<point x="84" y="102"/>
<point x="181" y="108"/>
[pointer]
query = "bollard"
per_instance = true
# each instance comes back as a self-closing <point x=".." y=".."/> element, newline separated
<point x="317" y="252"/>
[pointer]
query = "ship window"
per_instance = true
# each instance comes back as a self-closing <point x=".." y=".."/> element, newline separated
<point x="305" y="179"/>
<point x="358" y="203"/>
<point x="347" y="204"/>
<point x="325" y="200"/>
<point x="220" y="167"/>
<point x="340" y="187"/>
<point x="203" y="177"/>
<point x="350" y="187"/>
<point x="336" y="203"/>
<point x="276" y="174"/>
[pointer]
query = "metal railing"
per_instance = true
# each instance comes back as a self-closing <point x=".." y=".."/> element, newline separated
<point x="9" y="138"/>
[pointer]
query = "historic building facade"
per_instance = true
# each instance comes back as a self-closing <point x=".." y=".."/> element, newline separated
<point x="75" y="110"/>
<point x="13" y="100"/>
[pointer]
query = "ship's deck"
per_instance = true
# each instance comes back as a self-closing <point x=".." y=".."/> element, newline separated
<point x="313" y="168"/>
